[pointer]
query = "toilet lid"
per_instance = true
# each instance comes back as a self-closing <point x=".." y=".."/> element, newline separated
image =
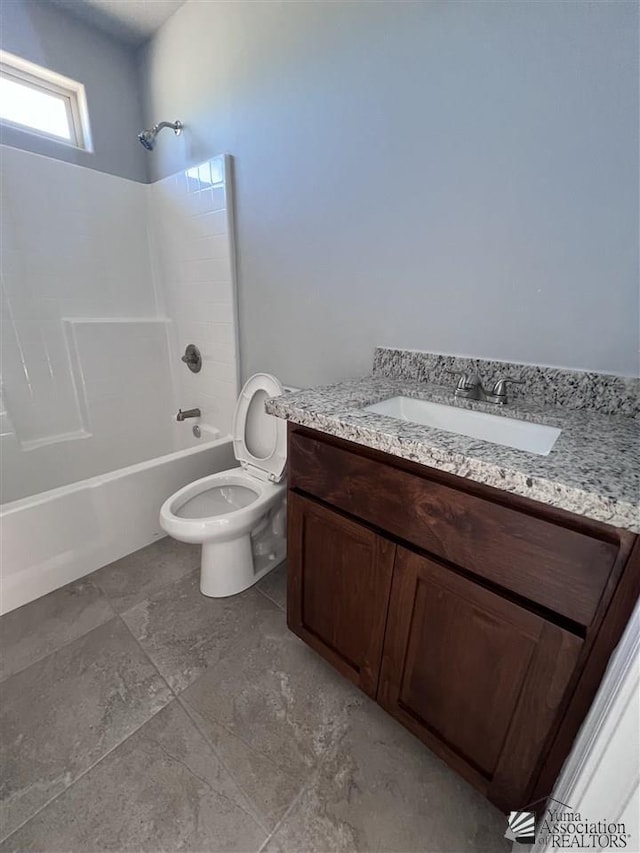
<point x="259" y="439"/>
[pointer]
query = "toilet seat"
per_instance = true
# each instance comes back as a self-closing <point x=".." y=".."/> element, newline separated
<point x="259" y="439"/>
<point x="215" y="500"/>
<point x="199" y="528"/>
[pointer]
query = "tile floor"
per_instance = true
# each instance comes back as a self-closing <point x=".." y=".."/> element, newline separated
<point x="139" y="715"/>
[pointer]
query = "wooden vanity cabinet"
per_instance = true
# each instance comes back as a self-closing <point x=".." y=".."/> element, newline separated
<point x="472" y="616"/>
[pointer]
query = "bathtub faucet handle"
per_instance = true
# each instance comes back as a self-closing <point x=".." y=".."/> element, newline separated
<point x="192" y="358"/>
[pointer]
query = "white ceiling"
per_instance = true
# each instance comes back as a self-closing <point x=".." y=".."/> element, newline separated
<point x="132" y="21"/>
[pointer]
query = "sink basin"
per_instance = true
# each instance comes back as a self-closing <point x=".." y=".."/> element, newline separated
<point x="522" y="435"/>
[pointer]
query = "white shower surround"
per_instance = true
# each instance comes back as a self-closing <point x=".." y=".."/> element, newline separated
<point x="105" y="281"/>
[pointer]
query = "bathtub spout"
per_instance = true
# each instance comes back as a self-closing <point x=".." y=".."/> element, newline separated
<point x="188" y="413"/>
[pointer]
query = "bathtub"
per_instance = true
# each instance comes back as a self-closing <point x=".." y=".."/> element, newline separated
<point x="57" y="536"/>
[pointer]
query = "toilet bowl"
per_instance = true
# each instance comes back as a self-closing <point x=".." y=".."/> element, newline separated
<point x="238" y="516"/>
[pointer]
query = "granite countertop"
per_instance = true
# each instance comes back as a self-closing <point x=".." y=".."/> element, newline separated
<point x="593" y="469"/>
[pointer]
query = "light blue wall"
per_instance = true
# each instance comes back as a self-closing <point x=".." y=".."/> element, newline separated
<point x="456" y="176"/>
<point x="41" y="32"/>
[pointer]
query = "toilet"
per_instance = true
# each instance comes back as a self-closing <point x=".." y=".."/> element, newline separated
<point x="238" y="516"/>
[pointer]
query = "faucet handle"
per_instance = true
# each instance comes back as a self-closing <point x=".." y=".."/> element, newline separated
<point x="499" y="391"/>
<point x="500" y="387"/>
<point x="466" y="380"/>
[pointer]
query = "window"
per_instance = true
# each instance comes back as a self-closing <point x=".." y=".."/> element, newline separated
<point x="43" y="102"/>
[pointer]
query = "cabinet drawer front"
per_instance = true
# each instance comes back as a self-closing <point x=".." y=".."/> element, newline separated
<point x="529" y="556"/>
<point x="338" y="592"/>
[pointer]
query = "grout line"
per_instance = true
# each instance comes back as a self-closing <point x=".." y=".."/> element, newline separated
<point x="84" y="773"/>
<point x="237" y="737"/>
<point x="316" y="771"/>
<point x="148" y="657"/>
<point x="292" y="806"/>
<point x="92" y="580"/>
<point x="153" y="592"/>
<point x="224" y="651"/>
<point x="272" y="600"/>
<point x="68" y="642"/>
<point x="258" y="586"/>
<point x="176" y="697"/>
<point x="253" y="811"/>
<point x="117" y="745"/>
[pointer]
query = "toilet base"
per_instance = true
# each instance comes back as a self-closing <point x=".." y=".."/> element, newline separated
<point x="228" y="568"/>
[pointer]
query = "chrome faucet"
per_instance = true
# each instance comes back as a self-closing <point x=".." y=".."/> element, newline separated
<point x="188" y="413"/>
<point x="469" y="387"/>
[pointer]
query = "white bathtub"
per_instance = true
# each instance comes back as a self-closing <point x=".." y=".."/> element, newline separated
<point x="60" y="535"/>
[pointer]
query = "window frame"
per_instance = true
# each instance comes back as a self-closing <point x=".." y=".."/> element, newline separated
<point x="71" y="92"/>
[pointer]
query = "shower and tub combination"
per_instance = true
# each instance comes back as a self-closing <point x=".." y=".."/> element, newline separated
<point x="106" y="284"/>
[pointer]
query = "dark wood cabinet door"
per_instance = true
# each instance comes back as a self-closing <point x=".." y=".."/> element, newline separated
<point x="475" y="676"/>
<point x="339" y="583"/>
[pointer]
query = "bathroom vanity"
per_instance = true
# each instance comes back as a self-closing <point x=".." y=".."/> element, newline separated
<point x="480" y="618"/>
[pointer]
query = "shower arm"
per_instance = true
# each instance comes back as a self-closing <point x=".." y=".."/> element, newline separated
<point x="176" y="126"/>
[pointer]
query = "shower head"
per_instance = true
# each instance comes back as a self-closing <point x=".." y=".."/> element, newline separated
<point x="148" y="137"/>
